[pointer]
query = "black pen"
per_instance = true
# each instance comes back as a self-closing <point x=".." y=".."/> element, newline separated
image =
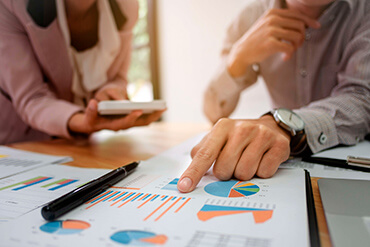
<point x="354" y="163"/>
<point x="69" y="201"/>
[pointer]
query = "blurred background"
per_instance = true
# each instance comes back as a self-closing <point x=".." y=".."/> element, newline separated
<point x="176" y="51"/>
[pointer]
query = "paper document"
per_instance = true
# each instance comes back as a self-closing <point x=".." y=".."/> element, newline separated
<point x="26" y="191"/>
<point x="13" y="161"/>
<point x="146" y="209"/>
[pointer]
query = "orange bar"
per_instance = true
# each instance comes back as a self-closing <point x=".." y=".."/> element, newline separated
<point x="158" y="208"/>
<point x="96" y="197"/>
<point x="123" y="198"/>
<point x="118" y="195"/>
<point x="143" y="197"/>
<point x="125" y="202"/>
<point x="146" y="201"/>
<point x="182" y="205"/>
<point x="96" y="202"/>
<point x="173" y="204"/>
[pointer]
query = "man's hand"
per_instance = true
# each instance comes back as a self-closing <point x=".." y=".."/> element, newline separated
<point x="278" y="30"/>
<point x="90" y="121"/>
<point x="240" y="149"/>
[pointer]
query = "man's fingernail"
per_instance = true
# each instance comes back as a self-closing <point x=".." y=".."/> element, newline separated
<point x="185" y="184"/>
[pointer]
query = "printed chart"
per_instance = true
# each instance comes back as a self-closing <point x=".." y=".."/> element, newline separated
<point x="171" y="185"/>
<point x="13" y="161"/>
<point x="232" y="188"/>
<point x="26" y="183"/>
<point x="65" y="227"/>
<point x="261" y="212"/>
<point x="40" y="179"/>
<point x="24" y="192"/>
<point x="138" y="238"/>
<point x="158" y="204"/>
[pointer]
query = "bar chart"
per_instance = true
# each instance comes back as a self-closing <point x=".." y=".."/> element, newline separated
<point x="156" y="205"/>
<point x="26" y="183"/>
<point x="171" y="185"/>
<point x="24" y="192"/>
<point x="60" y="184"/>
<point x="220" y="208"/>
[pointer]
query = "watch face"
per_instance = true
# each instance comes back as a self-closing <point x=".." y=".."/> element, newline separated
<point x="291" y="119"/>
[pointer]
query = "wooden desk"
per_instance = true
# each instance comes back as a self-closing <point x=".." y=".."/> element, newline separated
<point x="110" y="150"/>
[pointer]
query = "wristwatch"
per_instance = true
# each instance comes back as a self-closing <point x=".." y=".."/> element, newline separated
<point x="294" y="124"/>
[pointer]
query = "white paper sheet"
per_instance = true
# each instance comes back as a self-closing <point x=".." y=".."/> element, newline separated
<point x="146" y="209"/>
<point x="26" y="191"/>
<point x="13" y="161"/>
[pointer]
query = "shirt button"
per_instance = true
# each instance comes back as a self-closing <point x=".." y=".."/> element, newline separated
<point x="256" y="67"/>
<point x="323" y="138"/>
<point x="303" y="73"/>
<point x="307" y="36"/>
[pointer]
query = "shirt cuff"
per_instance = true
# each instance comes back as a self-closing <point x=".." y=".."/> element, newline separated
<point x="225" y="86"/>
<point x="58" y="125"/>
<point x="320" y="129"/>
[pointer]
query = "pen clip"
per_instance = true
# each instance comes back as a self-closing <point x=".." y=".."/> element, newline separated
<point x="358" y="161"/>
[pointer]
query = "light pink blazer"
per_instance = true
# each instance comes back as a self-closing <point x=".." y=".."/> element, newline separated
<point x="36" y="73"/>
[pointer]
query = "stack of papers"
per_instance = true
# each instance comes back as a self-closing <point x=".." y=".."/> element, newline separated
<point x="146" y="209"/>
<point x="13" y="161"/>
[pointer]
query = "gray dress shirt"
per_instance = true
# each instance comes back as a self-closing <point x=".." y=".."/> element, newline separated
<point x="327" y="81"/>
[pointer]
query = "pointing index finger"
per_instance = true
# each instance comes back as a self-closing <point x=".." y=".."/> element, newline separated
<point x="202" y="161"/>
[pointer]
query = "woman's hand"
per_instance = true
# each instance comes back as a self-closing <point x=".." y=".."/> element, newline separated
<point x="240" y="149"/>
<point x="90" y="121"/>
<point x="111" y="92"/>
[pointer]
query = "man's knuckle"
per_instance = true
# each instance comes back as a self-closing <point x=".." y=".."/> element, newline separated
<point x="221" y="173"/>
<point x="265" y="173"/>
<point x="282" y="143"/>
<point x="204" y="154"/>
<point x="242" y="129"/>
<point x="242" y="175"/>
<point x="222" y="122"/>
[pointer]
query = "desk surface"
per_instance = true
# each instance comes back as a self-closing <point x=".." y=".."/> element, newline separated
<point x="110" y="150"/>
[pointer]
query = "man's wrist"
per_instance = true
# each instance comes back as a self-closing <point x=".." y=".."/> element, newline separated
<point x="236" y="67"/>
<point x="272" y="123"/>
<point x="298" y="140"/>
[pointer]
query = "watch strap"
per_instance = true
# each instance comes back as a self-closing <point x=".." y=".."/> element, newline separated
<point x="298" y="142"/>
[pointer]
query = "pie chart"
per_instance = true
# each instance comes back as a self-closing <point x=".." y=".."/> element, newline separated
<point x="232" y="188"/>
<point x="138" y="238"/>
<point x="64" y="227"/>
